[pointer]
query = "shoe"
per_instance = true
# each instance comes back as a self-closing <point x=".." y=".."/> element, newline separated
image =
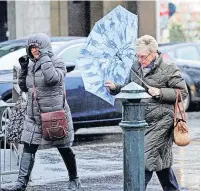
<point x="74" y="185"/>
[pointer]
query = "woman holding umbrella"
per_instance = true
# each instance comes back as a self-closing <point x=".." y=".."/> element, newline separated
<point x="163" y="78"/>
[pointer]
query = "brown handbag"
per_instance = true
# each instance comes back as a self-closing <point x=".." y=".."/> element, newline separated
<point x="181" y="130"/>
<point x="54" y="124"/>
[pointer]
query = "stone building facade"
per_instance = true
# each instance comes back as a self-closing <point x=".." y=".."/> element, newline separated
<point x="73" y="18"/>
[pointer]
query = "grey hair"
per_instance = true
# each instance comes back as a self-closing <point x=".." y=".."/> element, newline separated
<point x="146" y="43"/>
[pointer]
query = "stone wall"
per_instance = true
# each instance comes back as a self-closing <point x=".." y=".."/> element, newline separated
<point x="28" y="17"/>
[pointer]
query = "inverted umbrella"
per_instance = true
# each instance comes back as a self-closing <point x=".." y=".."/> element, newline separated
<point x="108" y="53"/>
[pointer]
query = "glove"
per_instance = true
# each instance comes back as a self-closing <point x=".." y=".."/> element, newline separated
<point x="24" y="61"/>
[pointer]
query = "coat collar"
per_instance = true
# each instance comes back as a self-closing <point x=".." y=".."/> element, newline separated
<point x="158" y="61"/>
<point x="34" y="66"/>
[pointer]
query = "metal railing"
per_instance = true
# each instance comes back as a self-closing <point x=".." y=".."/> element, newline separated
<point x="9" y="152"/>
<point x="6" y="153"/>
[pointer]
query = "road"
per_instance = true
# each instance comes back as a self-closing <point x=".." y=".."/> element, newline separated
<point x="99" y="155"/>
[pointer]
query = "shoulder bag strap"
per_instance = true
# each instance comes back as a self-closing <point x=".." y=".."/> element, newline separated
<point x="36" y="98"/>
<point x="64" y="97"/>
<point x="176" y="107"/>
<point x="179" y="107"/>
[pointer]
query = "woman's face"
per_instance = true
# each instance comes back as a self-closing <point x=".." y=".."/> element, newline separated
<point x="145" y="58"/>
<point x="35" y="52"/>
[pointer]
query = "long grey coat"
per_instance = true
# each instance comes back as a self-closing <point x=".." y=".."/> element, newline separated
<point x="159" y="112"/>
<point x="48" y="76"/>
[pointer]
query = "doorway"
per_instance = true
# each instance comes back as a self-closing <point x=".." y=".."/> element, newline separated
<point x="3" y="21"/>
<point x="79" y="18"/>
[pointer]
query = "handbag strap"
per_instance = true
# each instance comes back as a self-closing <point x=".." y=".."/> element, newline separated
<point x="36" y="97"/>
<point x="179" y="107"/>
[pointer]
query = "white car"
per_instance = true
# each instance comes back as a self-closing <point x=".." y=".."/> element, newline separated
<point x="10" y="60"/>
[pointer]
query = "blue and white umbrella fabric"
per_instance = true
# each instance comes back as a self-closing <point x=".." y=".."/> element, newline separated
<point x="108" y="53"/>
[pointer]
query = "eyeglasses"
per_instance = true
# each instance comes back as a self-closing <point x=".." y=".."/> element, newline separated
<point x="33" y="45"/>
<point x="142" y="57"/>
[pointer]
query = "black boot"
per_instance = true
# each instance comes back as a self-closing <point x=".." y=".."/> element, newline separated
<point x="26" y="166"/>
<point x="70" y="162"/>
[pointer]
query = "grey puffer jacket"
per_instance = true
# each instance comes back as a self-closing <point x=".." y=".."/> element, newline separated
<point x="159" y="112"/>
<point x="47" y="74"/>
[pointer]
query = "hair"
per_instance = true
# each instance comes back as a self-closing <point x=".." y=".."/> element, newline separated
<point x="146" y="43"/>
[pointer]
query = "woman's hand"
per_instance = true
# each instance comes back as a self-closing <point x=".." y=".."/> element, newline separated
<point x="154" y="91"/>
<point x="24" y="61"/>
<point x="110" y="85"/>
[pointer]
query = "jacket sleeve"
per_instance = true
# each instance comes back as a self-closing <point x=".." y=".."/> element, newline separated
<point x="175" y="81"/>
<point x="53" y="73"/>
<point x="22" y="79"/>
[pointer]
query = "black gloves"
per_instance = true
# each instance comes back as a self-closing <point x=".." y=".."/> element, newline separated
<point x="24" y="61"/>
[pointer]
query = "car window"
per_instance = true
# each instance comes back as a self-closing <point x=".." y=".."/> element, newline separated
<point x="198" y="47"/>
<point x="10" y="48"/>
<point x="171" y="53"/>
<point x="11" y="59"/>
<point x="69" y="54"/>
<point x="55" y="47"/>
<point x="187" y="53"/>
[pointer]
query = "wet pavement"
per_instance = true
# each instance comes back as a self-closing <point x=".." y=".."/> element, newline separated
<point x="99" y="155"/>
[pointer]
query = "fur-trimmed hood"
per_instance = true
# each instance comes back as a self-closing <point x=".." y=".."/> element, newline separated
<point x="42" y="41"/>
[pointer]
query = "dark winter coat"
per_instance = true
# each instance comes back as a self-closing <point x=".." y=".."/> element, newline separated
<point x="47" y="74"/>
<point x="159" y="112"/>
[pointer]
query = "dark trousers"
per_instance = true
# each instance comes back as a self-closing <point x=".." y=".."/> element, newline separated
<point x="67" y="155"/>
<point x="166" y="177"/>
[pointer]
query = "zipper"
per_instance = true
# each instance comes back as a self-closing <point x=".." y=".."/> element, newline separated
<point x="32" y="135"/>
<point x="33" y="107"/>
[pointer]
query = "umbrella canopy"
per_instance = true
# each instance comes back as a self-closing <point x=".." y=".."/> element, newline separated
<point x="108" y="53"/>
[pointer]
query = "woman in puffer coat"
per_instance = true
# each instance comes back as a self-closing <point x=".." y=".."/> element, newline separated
<point x="46" y="71"/>
<point x="164" y="78"/>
